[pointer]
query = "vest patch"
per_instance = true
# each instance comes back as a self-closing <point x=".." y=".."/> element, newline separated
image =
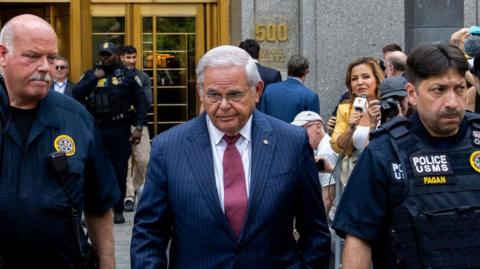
<point x="431" y="165"/>
<point x="435" y="180"/>
<point x="475" y="160"/>
<point x="397" y="171"/>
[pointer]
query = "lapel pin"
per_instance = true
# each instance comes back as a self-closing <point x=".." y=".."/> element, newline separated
<point x="265" y="141"/>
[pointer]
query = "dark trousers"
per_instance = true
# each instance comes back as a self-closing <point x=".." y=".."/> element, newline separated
<point x="119" y="149"/>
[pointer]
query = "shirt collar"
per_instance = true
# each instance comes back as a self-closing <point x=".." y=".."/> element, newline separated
<point x="217" y="135"/>
<point x="296" y="79"/>
<point x="61" y="83"/>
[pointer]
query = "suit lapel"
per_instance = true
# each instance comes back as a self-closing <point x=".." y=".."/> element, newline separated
<point x="199" y="155"/>
<point x="263" y="147"/>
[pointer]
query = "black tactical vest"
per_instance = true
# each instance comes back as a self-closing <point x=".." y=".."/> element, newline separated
<point x="438" y="223"/>
<point x="111" y="100"/>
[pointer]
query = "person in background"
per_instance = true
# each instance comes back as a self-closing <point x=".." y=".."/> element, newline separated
<point x="268" y="75"/>
<point x="353" y="124"/>
<point x="61" y="83"/>
<point x="109" y="91"/>
<point x="137" y="164"/>
<point x="284" y="100"/>
<point x="325" y="157"/>
<point x="395" y="64"/>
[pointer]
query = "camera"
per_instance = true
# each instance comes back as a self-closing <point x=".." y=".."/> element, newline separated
<point x="388" y="109"/>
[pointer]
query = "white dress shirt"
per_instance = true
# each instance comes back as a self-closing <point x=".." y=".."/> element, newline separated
<point x="244" y="146"/>
<point x="60" y="86"/>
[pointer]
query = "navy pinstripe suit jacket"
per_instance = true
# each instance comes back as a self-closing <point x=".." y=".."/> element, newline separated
<point x="180" y="202"/>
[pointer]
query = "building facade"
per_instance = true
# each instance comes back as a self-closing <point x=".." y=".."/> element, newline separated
<point x="171" y="36"/>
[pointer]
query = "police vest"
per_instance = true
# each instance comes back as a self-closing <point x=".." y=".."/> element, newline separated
<point x="111" y="100"/>
<point x="438" y="223"/>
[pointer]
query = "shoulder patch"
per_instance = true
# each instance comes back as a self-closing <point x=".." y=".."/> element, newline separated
<point x="137" y="79"/>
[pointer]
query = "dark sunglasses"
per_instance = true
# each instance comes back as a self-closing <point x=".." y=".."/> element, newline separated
<point x="60" y="67"/>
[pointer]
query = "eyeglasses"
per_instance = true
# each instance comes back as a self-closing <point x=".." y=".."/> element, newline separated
<point x="60" y="67"/>
<point x="230" y="97"/>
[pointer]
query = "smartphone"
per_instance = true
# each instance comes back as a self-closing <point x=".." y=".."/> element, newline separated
<point x="475" y="30"/>
<point x="320" y="165"/>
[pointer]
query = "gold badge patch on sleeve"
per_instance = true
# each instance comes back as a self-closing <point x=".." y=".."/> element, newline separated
<point x="475" y="160"/>
<point x="64" y="143"/>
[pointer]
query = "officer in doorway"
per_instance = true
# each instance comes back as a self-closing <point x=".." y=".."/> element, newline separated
<point x="413" y="199"/>
<point x="113" y="94"/>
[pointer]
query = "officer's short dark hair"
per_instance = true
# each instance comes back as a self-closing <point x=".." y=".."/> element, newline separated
<point x="391" y="47"/>
<point x="128" y="49"/>
<point x="429" y="60"/>
<point x="297" y="66"/>
<point x="251" y="46"/>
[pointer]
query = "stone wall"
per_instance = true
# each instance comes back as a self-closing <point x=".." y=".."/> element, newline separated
<point x="332" y="33"/>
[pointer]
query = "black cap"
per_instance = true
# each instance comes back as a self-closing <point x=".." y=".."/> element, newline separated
<point x="108" y="47"/>
<point x="392" y="87"/>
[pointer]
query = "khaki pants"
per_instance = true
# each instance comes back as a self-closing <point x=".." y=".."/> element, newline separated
<point x="137" y="165"/>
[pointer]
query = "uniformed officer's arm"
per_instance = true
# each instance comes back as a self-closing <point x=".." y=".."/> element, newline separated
<point x="141" y="104"/>
<point x="147" y="88"/>
<point x="357" y="253"/>
<point x="85" y="86"/>
<point x="100" y="229"/>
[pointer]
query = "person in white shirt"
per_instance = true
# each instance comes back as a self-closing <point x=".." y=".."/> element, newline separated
<point x="61" y="83"/>
<point x="320" y="143"/>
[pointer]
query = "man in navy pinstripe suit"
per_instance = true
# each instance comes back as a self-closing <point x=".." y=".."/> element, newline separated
<point x="229" y="186"/>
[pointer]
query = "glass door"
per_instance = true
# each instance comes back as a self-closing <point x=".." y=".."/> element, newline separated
<point x="169" y="45"/>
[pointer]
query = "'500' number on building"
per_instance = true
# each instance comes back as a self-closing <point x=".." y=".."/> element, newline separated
<point x="271" y="32"/>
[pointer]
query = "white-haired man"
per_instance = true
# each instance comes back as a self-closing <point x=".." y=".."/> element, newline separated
<point x="226" y="187"/>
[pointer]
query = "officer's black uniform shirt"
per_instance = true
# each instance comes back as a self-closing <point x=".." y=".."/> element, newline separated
<point x="35" y="220"/>
<point x="366" y="202"/>
<point x="23" y="119"/>
<point x="89" y="81"/>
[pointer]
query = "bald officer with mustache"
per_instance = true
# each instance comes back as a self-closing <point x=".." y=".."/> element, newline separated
<point x="53" y="165"/>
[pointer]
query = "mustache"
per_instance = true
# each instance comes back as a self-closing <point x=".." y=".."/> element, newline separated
<point x="41" y="77"/>
<point x="450" y="113"/>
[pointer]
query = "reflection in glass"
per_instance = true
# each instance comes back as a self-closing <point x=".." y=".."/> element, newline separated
<point x="171" y="78"/>
<point x="107" y="29"/>
<point x="108" y="25"/>
<point x="175" y="24"/>
<point x="172" y="95"/>
<point x="170" y="57"/>
<point x="172" y="113"/>
<point x="171" y="42"/>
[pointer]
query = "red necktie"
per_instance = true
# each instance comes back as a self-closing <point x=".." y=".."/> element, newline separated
<point x="234" y="186"/>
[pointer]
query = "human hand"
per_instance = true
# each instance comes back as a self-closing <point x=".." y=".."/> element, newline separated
<point x="135" y="137"/>
<point x="458" y="38"/>
<point x="331" y="124"/>
<point x="354" y="119"/>
<point x="329" y="167"/>
<point x="374" y="112"/>
<point x="99" y="73"/>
